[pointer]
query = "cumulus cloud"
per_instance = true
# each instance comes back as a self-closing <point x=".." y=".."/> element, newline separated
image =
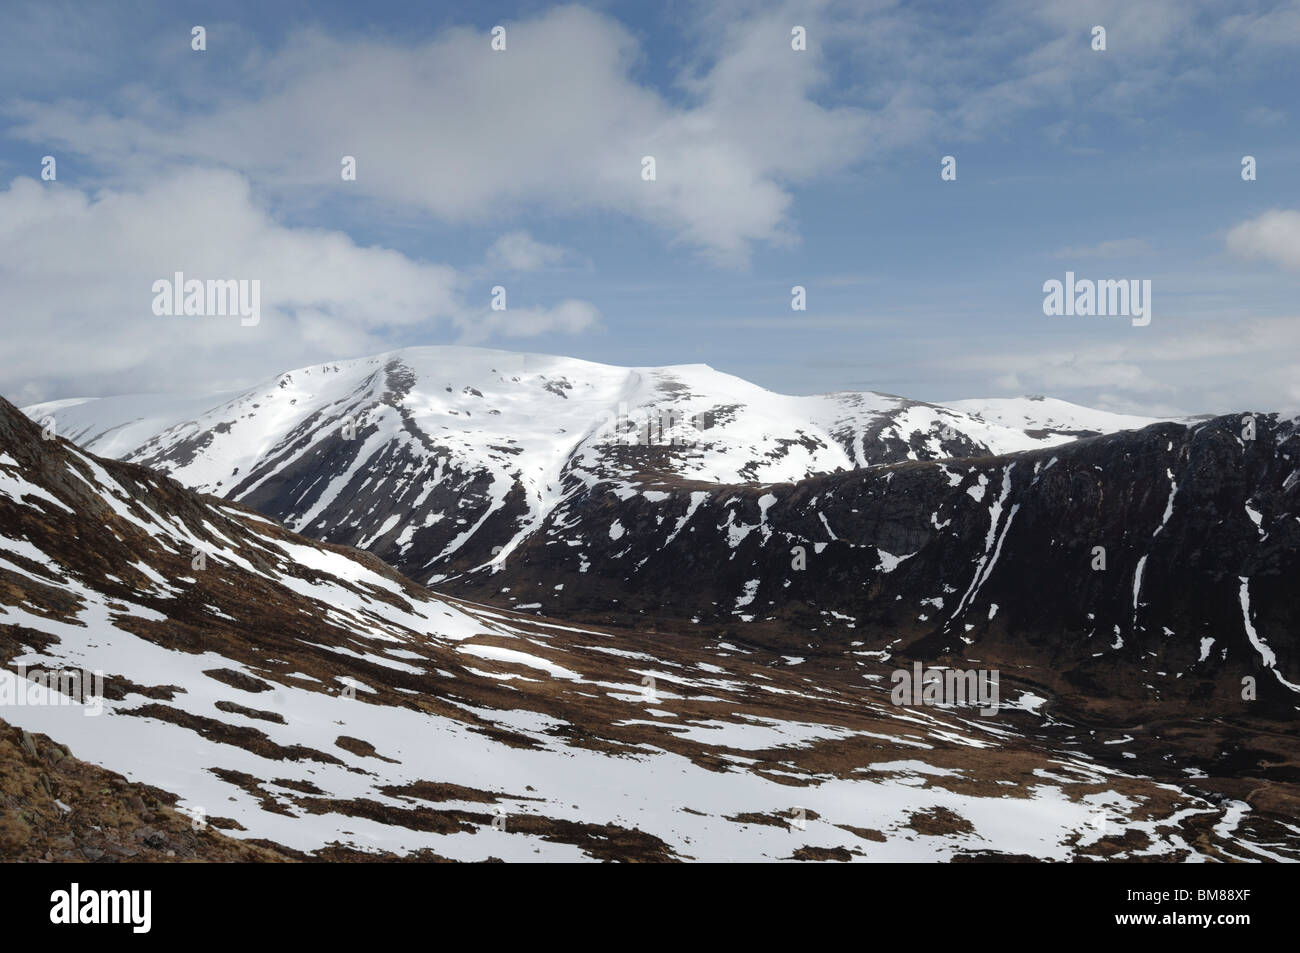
<point x="454" y="141"/>
<point x="519" y="251"/>
<point x="561" y="119"/>
<point x="1273" y="236"/>
<point x="78" y="273"/>
<point x="469" y="135"/>
<point x="569" y="317"/>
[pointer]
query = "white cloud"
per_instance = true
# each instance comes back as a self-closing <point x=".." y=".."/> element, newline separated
<point x="1273" y="236"/>
<point x="519" y="251"/>
<point x="470" y="135"/>
<point x="561" y="119"/>
<point x="445" y="130"/>
<point x="78" y="272"/>
<point x="569" y="317"/>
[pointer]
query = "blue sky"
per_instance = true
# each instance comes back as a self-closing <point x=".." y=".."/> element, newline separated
<point x="776" y="168"/>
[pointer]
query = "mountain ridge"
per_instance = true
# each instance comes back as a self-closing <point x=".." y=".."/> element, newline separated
<point x="518" y="434"/>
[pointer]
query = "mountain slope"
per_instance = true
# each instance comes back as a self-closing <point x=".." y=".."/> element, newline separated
<point x="1137" y="568"/>
<point x="1047" y="416"/>
<point x="307" y="698"/>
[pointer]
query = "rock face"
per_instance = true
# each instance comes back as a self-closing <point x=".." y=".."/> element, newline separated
<point x="114" y="821"/>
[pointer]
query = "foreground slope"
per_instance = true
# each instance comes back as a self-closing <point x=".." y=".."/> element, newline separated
<point x="308" y="698"/>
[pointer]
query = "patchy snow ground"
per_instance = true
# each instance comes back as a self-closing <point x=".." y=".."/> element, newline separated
<point x="306" y="693"/>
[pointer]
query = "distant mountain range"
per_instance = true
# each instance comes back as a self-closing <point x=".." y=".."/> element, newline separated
<point x="443" y="460"/>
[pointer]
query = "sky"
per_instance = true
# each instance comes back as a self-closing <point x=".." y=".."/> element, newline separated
<point x="522" y="168"/>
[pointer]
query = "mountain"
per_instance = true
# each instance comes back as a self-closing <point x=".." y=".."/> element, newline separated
<point x="1135" y="571"/>
<point x="1152" y="557"/>
<point x="1041" y="417"/>
<point x="443" y="460"/>
<point x="304" y="699"/>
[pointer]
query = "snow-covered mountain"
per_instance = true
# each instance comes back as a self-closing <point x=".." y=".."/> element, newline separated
<point x="308" y="699"/>
<point x="1048" y="417"/>
<point x="444" y="459"/>
<point x="1142" y="571"/>
<point x="652" y="496"/>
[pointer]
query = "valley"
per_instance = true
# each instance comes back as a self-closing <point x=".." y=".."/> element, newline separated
<point x="453" y="615"/>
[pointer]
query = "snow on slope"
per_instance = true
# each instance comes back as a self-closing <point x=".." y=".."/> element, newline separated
<point x="306" y="694"/>
<point x="546" y="406"/>
<point x="1050" y="416"/>
<point x="114" y="426"/>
